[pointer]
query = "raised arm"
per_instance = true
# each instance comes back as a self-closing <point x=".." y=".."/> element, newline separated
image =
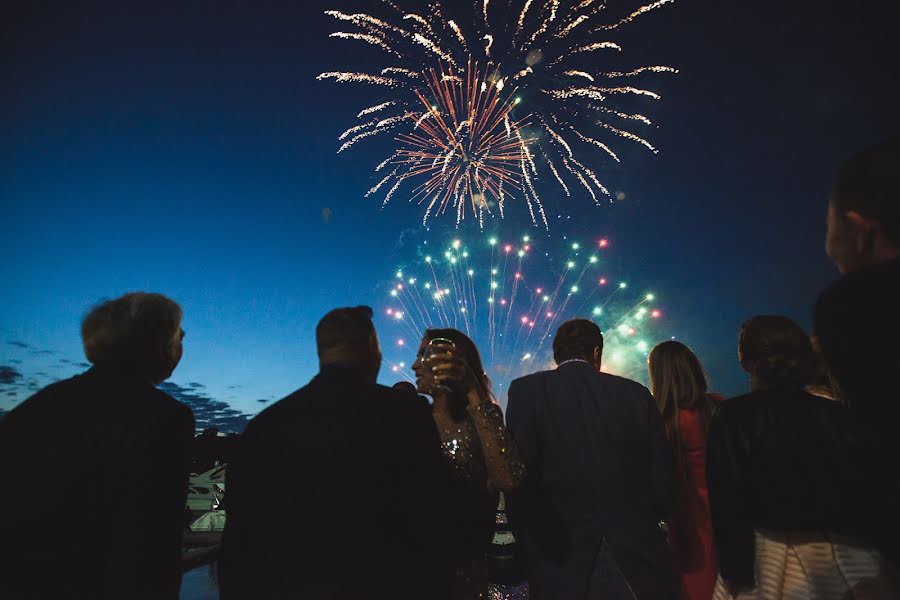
<point x="505" y="468"/>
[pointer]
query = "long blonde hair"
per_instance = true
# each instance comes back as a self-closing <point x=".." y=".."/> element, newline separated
<point x="677" y="381"/>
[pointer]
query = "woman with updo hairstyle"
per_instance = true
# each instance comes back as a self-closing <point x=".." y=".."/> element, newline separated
<point x="790" y="495"/>
<point x="679" y="387"/>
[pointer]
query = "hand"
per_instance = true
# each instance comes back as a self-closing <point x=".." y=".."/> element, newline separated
<point x="452" y="371"/>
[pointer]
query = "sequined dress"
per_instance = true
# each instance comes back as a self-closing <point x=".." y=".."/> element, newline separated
<point x="479" y="450"/>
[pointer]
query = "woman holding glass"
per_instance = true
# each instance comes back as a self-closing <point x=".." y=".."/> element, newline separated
<point x="475" y="442"/>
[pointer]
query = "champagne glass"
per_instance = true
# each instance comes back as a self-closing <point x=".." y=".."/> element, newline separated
<point x="438" y="348"/>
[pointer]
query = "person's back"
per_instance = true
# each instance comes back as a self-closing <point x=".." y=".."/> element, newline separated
<point x="332" y="492"/>
<point x="599" y="471"/>
<point x="95" y="478"/>
<point x="856" y="319"/>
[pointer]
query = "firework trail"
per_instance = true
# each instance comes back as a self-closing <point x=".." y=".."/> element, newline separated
<point x="510" y="298"/>
<point x="486" y="106"/>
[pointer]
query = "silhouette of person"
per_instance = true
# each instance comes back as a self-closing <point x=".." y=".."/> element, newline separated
<point x="599" y="477"/>
<point x="334" y="489"/>
<point x="95" y="467"/>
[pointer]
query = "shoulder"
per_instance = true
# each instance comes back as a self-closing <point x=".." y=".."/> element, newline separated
<point x="623" y="385"/>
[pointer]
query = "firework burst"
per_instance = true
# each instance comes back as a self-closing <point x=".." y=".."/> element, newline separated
<point x="510" y="298"/>
<point x="454" y="88"/>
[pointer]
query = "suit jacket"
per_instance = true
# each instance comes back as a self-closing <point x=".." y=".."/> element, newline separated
<point x="94" y="473"/>
<point x="336" y="492"/>
<point x="599" y="468"/>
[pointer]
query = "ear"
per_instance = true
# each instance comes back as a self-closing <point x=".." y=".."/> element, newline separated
<point x="598" y="355"/>
<point x="863" y="230"/>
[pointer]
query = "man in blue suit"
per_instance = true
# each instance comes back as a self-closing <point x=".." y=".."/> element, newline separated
<point x="600" y="477"/>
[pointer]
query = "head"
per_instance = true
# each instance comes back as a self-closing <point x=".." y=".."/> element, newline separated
<point x="139" y="335"/>
<point x="465" y="348"/>
<point x="405" y="387"/>
<point x="347" y="336"/>
<point x="776" y="352"/>
<point x="863" y="219"/>
<point x="678" y="381"/>
<point x="578" y="339"/>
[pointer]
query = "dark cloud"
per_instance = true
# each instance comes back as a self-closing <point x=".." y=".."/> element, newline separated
<point x="195" y="385"/>
<point x="263" y="400"/>
<point x="234" y="387"/>
<point x="17" y="344"/>
<point x="9" y="375"/>
<point x="65" y="361"/>
<point x="50" y="352"/>
<point x="84" y="365"/>
<point x="208" y="412"/>
<point x="16" y="361"/>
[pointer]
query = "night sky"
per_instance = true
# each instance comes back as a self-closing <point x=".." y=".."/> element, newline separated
<point x="187" y="148"/>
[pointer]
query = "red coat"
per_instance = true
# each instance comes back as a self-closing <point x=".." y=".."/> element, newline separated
<point x="690" y="532"/>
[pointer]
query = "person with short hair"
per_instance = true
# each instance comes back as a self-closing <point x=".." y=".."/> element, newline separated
<point x="857" y="319"/>
<point x="95" y="468"/>
<point x="788" y="493"/>
<point x="599" y="477"/>
<point x="339" y="490"/>
<point x="679" y="387"/>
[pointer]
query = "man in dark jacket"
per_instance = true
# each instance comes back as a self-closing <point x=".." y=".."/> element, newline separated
<point x="336" y="490"/>
<point x="94" y="469"/>
<point x="857" y="319"/>
<point x="600" y="477"/>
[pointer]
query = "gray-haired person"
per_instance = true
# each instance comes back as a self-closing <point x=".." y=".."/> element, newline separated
<point x="94" y="468"/>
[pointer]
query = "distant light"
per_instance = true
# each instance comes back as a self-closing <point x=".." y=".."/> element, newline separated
<point x="394" y="293"/>
<point x="492" y="241"/>
<point x="453" y="261"/>
<point x="549" y="315"/>
<point x="493" y="285"/>
<point x="642" y="346"/>
<point x="503" y="301"/>
<point x="622" y="329"/>
<point x="463" y="309"/>
<point x="398" y="315"/>
<point x="400" y="342"/>
<point x="518" y="276"/>
<point x="546" y="298"/>
<point x="427" y="286"/>
<point x="623" y="285"/>
<point x="428" y="259"/>
<point x="493" y="271"/>
<point x="574" y="289"/>
<point x="471" y="272"/>
<point x="538" y="291"/>
<point x="507" y="248"/>
<point x="524" y="320"/>
<point x="603" y="243"/>
<point x="598" y="310"/>
<point x="395" y="368"/>
<point x="603" y="281"/>
<point x="389" y="311"/>
<point x="656" y="314"/>
<point x="526" y="239"/>
<point x="593" y="259"/>
<point x="399" y="274"/>
<point x="521" y="253"/>
<point x="456" y="244"/>
<point x="575" y="246"/>
<point x="570" y="264"/>
<point x="412" y="281"/>
<point x="650" y="296"/>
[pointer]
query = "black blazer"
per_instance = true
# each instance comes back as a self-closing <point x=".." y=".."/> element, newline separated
<point x="94" y="475"/>
<point x="599" y="468"/>
<point x="336" y="492"/>
<point x="785" y="461"/>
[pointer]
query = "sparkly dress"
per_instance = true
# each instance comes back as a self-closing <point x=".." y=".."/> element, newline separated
<point x="482" y="455"/>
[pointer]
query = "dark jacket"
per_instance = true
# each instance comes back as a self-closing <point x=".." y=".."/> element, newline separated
<point x="336" y="492"/>
<point x="599" y="468"/>
<point x="783" y="461"/>
<point x="857" y="321"/>
<point x="94" y="475"/>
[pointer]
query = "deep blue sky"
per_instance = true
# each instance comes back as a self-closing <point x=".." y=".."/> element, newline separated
<point x="187" y="148"/>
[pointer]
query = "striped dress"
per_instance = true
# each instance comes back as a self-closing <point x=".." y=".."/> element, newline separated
<point x="814" y="567"/>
